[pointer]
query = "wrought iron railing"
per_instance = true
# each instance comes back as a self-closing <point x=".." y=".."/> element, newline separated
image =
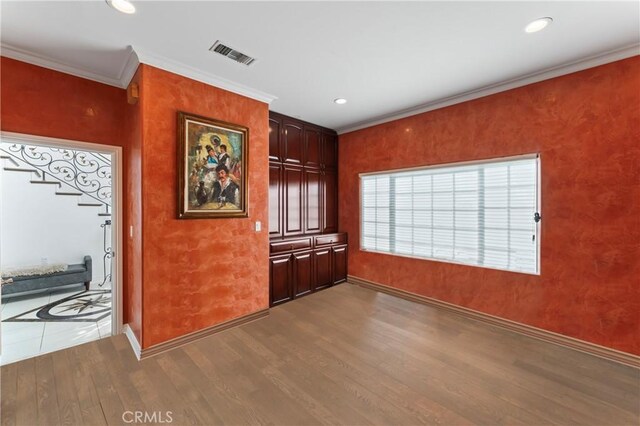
<point x="107" y="258"/>
<point x="86" y="172"/>
<point x="89" y="173"/>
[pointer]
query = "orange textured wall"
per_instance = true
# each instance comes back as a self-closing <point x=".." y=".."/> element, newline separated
<point x="132" y="302"/>
<point x="43" y="102"/>
<point x="39" y="101"/>
<point x="198" y="273"/>
<point x="586" y="126"/>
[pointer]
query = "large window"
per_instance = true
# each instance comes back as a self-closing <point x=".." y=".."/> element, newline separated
<point x="481" y="213"/>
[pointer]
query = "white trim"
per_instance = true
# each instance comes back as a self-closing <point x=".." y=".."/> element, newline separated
<point x="175" y="67"/>
<point x="42" y="61"/>
<point x="57" y="142"/>
<point x="454" y="262"/>
<point x="116" y="211"/>
<point x="546" y="74"/>
<point x="497" y="160"/>
<point x="117" y="166"/>
<point x="539" y="210"/>
<point x="135" y="58"/>
<point x="129" y="68"/>
<point x="1" y="210"/>
<point x="133" y="341"/>
<point x="138" y="56"/>
<point x="454" y="163"/>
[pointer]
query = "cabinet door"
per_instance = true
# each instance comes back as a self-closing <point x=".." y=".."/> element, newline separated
<point x="292" y="181"/>
<point x="275" y="200"/>
<point x="302" y="273"/>
<point x="312" y="139"/>
<point x="330" y="201"/>
<point x="323" y="272"/>
<point x="313" y="201"/>
<point x="339" y="264"/>
<point x="280" y="279"/>
<point x="292" y="140"/>
<point x="329" y="151"/>
<point x="275" y="133"/>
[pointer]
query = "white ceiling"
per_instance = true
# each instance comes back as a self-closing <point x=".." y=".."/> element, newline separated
<point x="388" y="59"/>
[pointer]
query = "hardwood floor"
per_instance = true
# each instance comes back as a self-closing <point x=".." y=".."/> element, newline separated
<point x="346" y="355"/>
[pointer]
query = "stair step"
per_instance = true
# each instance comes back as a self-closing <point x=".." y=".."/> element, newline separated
<point x="15" y="169"/>
<point x="45" y="182"/>
<point x="6" y="157"/>
<point x="77" y="194"/>
<point x="90" y="204"/>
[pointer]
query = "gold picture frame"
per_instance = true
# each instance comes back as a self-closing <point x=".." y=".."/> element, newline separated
<point x="212" y="168"/>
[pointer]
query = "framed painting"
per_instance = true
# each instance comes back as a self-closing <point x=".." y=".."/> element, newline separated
<point x="212" y="168"/>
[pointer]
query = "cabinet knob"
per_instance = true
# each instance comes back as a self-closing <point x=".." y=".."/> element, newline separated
<point x="291" y="247"/>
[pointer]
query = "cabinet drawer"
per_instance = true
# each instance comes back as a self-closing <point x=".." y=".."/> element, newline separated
<point x="329" y="239"/>
<point x="291" y="245"/>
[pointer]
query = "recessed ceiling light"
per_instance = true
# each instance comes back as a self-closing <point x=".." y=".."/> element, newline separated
<point x="123" y="6"/>
<point x="538" y="25"/>
<point x="340" y="101"/>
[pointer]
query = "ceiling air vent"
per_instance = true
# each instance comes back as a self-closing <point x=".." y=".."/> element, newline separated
<point x="231" y="53"/>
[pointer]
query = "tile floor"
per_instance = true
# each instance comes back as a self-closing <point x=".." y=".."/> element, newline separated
<point x="21" y="340"/>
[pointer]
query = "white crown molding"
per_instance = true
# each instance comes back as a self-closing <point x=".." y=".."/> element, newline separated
<point x="136" y="57"/>
<point x="557" y="71"/>
<point x="129" y="68"/>
<point x="42" y="61"/>
<point x="195" y="74"/>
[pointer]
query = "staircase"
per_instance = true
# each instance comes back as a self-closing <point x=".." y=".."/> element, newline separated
<point x="80" y="174"/>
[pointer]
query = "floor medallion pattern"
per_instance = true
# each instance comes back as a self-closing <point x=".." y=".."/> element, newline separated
<point x="92" y="305"/>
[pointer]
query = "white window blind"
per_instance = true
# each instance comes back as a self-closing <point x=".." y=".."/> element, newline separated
<point x="479" y="214"/>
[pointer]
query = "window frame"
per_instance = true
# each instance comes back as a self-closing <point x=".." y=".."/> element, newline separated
<point x="538" y="208"/>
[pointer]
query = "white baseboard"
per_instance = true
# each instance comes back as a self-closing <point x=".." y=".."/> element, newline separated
<point x="135" y="345"/>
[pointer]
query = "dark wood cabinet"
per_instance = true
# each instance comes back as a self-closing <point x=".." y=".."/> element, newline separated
<point x="302" y="265"/>
<point x="303" y="209"/>
<point x="275" y="130"/>
<point x="312" y="138"/>
<point x="275" y="200"/>
<point x="292" y="141"/>
<point x="329" y="201"/>
<point x="306" y="194"/>
<point x="323" y="270"/>
<point x="293" y="200"/>
<point x="339" y="259"/>
<point x="313" y="201"/>
<point x="329" y="151"/>
<point x="280" y="279"/>
<point x="302" y="273"/>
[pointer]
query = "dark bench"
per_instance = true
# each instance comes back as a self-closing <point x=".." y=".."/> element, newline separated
<point x="75" y="274"/>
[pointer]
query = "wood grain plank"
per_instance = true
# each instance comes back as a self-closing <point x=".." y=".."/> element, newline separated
<point x="9" y="391"/>
<point x="68" y="404"/>
<point x="110" y="402"/>
<point x="26" y="402"/>
<point x="87" y="396"/>
<point x="114" y="363"/>
<point x="48" y="411"/>
<point x="347" y="355"/>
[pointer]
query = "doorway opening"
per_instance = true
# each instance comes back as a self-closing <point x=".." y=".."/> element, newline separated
<point x="59" y="244"/>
